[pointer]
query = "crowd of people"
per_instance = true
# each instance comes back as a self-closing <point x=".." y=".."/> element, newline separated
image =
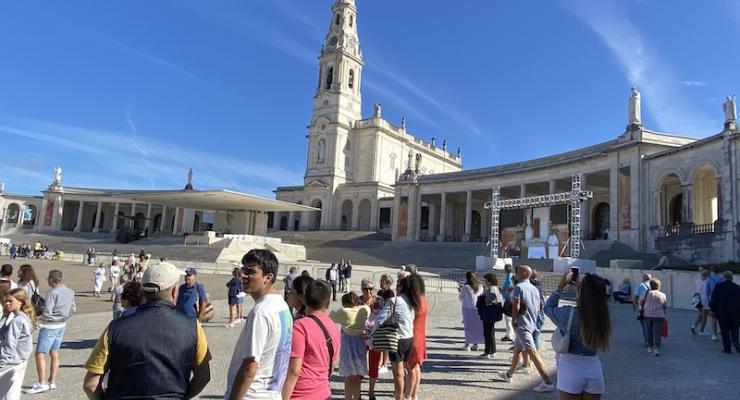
<point x="25" y="250"/>
<point x="291" y="344"/>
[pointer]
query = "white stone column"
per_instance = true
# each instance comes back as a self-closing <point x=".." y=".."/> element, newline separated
<point x="163" y="221"/>
<point x="687" y="211"/>
<point x="432" y="220"/>
<point x="291" y="217"/>
<point x="115" y="217"/>
<point x="374" y="208"/>
<point x="148" y="223"/>
<point x="58" y="219"/>
<point x="97" y="217"/>
<point x="552" y="186"/>
<point x="442" y="218"/>
<point x="79" y="216"/>
<point x="468" y="215"/>
<point x="657" y="211"/>
<point x="355" y="215"/>
<point x="417" y="215"/>
<point x="613" y="202"/>
<point x="21" y="211"/>
<point x="523" y="190"/>
<point x="42" y="214"/>
<point x="133" y="215"/>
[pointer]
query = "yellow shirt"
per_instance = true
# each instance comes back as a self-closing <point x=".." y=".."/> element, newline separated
<point x="351" y="319"/>
<point x="99" y="357"/>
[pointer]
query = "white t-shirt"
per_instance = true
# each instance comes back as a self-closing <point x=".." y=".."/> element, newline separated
<point x="115" y="271"/>
<point x="266" y="336"/>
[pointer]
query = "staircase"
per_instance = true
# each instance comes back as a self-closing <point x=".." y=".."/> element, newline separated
<point x="603" y="251"/>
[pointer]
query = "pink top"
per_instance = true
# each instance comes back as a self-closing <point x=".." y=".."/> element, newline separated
<point x="309" y="343"/>
<point x="655" y="300"/>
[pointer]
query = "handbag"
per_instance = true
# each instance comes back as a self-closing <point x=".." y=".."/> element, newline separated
<point x="506" y="309"/>
<point x="664" y="328"/>
<point x="561" y="340"/>
<point x="696" y="301"/>
<point x="385" y="337"/>
<point x="493" y="312"/>
<point x="38" y="302"/>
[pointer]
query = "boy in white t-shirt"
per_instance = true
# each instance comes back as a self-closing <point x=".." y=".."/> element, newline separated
<point x="261" y="356"/>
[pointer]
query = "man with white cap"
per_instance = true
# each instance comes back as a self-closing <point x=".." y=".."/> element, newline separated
<point x="170" y="361"/>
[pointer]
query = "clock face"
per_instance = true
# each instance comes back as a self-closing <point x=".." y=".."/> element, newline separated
<point x="333" y="41"/>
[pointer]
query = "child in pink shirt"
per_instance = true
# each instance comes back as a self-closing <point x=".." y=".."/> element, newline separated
<point x="310" y="364"/>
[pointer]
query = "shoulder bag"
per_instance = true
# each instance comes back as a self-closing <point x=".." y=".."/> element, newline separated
<point x="561" y="340"/>
<point x="329" y="341"/>
<point x="385" y="337"/>
<point x="38" y="302"/>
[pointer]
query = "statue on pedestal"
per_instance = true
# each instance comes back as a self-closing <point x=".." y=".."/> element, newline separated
<point x="58" y="175"/>
<point x="377" y="110"/>
<point x="634" y="113"/>
<point x="189" y="186"/>
<point x="730" y="110"/>
<point x="417" y="166"/>
<point x="411" y="160"/>
<point x="403" y="123"/>
<point x="528" y="233"/>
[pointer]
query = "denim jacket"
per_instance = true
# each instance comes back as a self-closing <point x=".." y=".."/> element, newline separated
<point x="559" y="316"/>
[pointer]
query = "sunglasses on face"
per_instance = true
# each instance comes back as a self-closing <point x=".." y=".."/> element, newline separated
<point x="367" y="288"/>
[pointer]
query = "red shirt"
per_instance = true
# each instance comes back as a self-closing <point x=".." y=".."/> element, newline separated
<point x="309" y="343"/>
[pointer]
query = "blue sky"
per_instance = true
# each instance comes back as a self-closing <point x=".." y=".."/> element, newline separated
<point x="130" y="94"/>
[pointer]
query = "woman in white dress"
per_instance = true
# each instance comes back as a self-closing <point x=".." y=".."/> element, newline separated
<point x="114" y="275"/>
<point x="469" y="293"/>
<point x="98" y="279"/>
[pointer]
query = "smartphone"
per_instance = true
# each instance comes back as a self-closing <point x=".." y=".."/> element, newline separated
<point x="574" y="274"/>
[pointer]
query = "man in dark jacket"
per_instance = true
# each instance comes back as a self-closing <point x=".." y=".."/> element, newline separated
<point x="725" y="306"/>
<point x="170" y="361"/>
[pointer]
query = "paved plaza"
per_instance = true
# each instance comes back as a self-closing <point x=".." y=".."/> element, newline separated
<point x="689" y="367"/>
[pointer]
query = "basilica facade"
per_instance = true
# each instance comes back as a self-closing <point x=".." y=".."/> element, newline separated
<point x="653" y="191"/>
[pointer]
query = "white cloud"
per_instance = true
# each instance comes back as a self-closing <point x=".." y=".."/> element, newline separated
<point x="693" y="83"/>
<point x="100" y="159"/>
<point x="150" y="58"/>
<point x="643" y="68"/>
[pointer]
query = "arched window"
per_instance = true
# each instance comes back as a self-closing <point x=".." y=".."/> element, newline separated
<point x="321" y="150"/>
<point x="337" y="20"/>
<point x="351" y="79"/>
<point x="351" y="20"/>
<point x="329" y="78"/>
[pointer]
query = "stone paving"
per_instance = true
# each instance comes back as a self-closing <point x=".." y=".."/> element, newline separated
<point x="689" y="367"/>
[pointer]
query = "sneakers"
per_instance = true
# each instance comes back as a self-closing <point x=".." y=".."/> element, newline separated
<point x="714" y="337"/>
<point x="650" y="349"/>
<point x="544" y="387"/>
<point x="702" y="333"/>
<point x="492" y="356"/>
<point x="483" y="355"/>
<point x="52" y="385"/>
<point x="526" y="370"/>
<point x="656" y="352"/>
<point x="38" y="388"/>
<point x="503" y="375"/>
<point x="475" y="347"/>
<point x="382" y="370"/>
<point x="693" y="329"/>
<point x="229" y="325"/>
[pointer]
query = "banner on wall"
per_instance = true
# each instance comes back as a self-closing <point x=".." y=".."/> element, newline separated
<point x="403" y="216"/>
<point x="49" y="212"/>
<point x="625" y="198"/>
<point x="180" y="213"/>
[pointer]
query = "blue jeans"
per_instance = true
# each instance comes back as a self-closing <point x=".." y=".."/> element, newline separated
<point x="50" y="339"/>
<point x="654" y="328"/>
<point x="644" y="327"/>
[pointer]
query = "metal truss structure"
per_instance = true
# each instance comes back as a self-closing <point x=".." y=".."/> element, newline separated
<point x="574" y="198"/>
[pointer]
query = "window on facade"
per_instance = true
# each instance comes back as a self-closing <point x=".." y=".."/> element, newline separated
<point x="351" y="20"/>
<point x="351" y="79"/>
<point x="385" y="218"/>
<point x="392" y="161"/>
<point x="337" y="20"/>
<point x="330" y="78"/>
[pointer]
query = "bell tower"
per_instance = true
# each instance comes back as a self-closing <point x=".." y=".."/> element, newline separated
<point x="337" y="102"/>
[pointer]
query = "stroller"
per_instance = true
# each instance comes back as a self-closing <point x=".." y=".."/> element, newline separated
<point x="57" y="256"/>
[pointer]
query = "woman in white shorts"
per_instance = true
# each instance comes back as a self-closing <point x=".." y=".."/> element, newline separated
<point x="580" y="375"/>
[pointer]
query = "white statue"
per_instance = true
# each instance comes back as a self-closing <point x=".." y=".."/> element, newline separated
<point x="730" y="110"/>
<point x="553" y="244"/>
<point x="377" y="109"/>
<point x="528" y="233"/>
<point x="322" y="151"/>
<point x="634" y="107"/>
<point x="411" y="159"/>
<point x="190" y="176"/>
<point x="417" y="166"/>
<point x="58" y="175"/>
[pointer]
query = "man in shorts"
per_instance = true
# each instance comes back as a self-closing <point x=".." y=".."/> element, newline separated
<point x="526" y="303"/>
<point x="60" y="305"/>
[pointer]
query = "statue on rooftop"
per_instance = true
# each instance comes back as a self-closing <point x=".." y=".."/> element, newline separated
<point x="403" y="123"/>
<point x="730" y="109"/>
<point x="634" y="107"/>
<point x="444" y="144"/>
<point x="417" y="166"/>
<point x="378" y="110"/>
<point x="411" y="159"/>
<point x="58" y="175"/>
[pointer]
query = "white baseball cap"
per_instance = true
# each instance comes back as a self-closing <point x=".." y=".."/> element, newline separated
<point x="161" y="276"/>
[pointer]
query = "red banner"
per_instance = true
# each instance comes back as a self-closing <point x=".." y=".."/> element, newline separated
<point x="180" y="214"/>
<point x="403" y="216"/>
<point x="625" y="199"/>
<point x="49" y="215"/>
